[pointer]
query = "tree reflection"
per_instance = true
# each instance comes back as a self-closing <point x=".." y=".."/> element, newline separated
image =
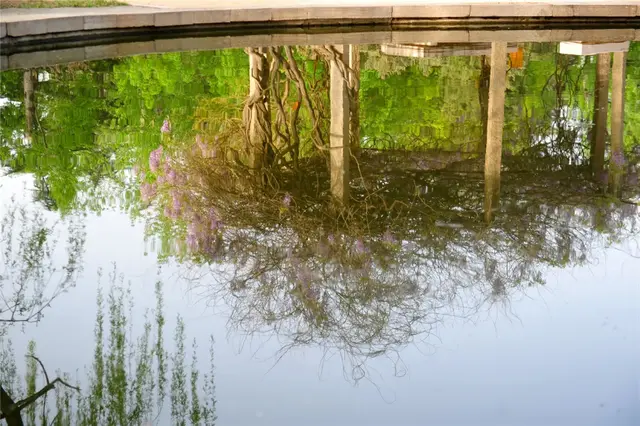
<point x="365" y="250"/>
<point x="366" y="277"/>
<point x="129" y="381"/>
<point x="369" y="279"/>
<point x="32" y="278"/>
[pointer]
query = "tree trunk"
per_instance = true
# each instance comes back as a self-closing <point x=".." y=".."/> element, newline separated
<point x="9" y="409"/>
<point x="259" y="120"/>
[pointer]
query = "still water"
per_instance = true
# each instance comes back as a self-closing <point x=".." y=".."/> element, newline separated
<point x="400" y="234"/>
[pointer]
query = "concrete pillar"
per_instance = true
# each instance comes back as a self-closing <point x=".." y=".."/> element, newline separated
<point x="483" y="97"/>
<point x="339" y="131"/>
<point x="259" y="120"/>
<point x="600" y="110"/>
<point x="29" y="81"/>
<point x="353" y="61"/>
<point x="617" y="119"/>
<point x="495" y="122"/>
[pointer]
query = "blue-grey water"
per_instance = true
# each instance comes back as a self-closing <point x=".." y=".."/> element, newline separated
<point x="434" y="310"/>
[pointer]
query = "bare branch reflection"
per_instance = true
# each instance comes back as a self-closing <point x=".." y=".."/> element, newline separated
<point x="405" y="246"/>
<point x="31" y="277"/>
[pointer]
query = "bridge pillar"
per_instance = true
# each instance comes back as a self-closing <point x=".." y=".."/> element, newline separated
<point x="495" y="123"/>
<point x="339" y="140"/>
<point x="617" y="120"/>
<point x="600" y="112"/>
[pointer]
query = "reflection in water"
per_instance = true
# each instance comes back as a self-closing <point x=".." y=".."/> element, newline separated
<point x="30" y="79"/>
<point x="130" y="379"/>
<point x="357" y="278"/>
<point x="339" y="197"/>
<point x="617" y="119"/>
<point x="495" y="123"/>
<point x="600" y="113"/>
<point x="30" y="279"/>
<point x="258" y="121"/>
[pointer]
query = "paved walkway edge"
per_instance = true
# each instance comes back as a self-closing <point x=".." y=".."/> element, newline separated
<point x="20" y="26"/>
<point x="117" y="50"/>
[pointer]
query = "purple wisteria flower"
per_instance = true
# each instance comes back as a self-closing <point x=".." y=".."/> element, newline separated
<point x="166" y="127"/>
<point x="154" y="159"/>
<point x="360" y="247"/>
<point x="286" y="200"/>
<point x="215" y="222"/>
<point x="176" y="201"/>
<point x="147" y="191"/>
<point x="171" y="176"/>
<point x="192" y="242"/>
<point x="173" y="210"/>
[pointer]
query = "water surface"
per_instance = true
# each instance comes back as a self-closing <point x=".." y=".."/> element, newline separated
<point x="382" y="234"/>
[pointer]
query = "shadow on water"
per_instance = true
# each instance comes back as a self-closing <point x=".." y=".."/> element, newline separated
<point x="346" y="197"/>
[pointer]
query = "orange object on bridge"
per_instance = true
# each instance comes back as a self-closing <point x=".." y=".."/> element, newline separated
<point x="516" y="58"/>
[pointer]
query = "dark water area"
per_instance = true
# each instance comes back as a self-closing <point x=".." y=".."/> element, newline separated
<point x="425" y="233"/>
